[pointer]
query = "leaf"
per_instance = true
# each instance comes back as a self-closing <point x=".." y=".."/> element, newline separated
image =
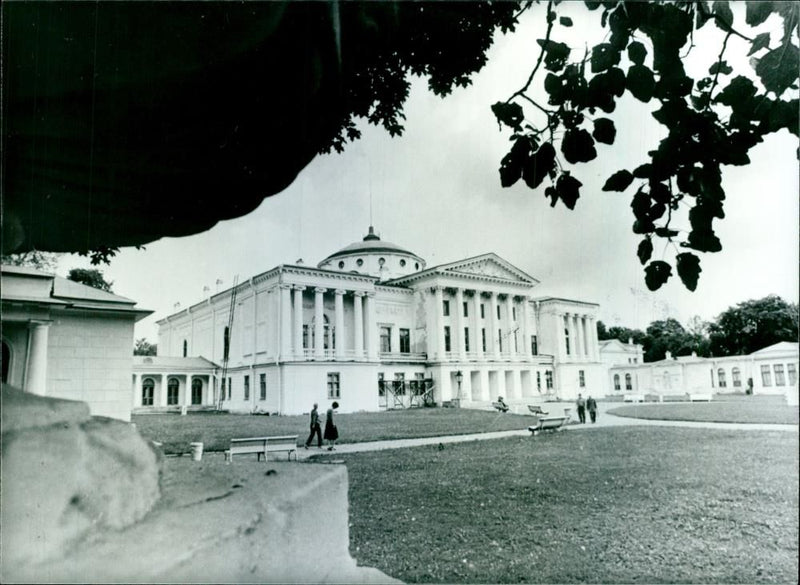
<point x="556" y="54"/>
<point x="568" y="188"/>
<point x="721" y="67"/>
<point x="565" y="21"/>
<point x="738" y="92"/>
<point x="539" y="165"/>
<point x="689" y="269"/>
<point x="645" y="250"/>
<point x="641" y="205"/>
<point x="760" y="42"/>
<point x="637" y="53"/>
<point x="664" y="232"/>
<point x="777" y="70"/>
<point x="656" y="274"/>
<point x="552" y="194"/>
<point x="604" y="131"/>
<point x="722" y="10"/>
<point x="660" y="192"/>
<point x="640" y="82"/>
<point x="604" y="56"/>
<point x="619" y="181"/>
<point x="512" y="164"/>
<point x="757" y="12"/>
<point x="578" y="146"/>
<point x="643" y="171"/>
<point x="509" y="114"/>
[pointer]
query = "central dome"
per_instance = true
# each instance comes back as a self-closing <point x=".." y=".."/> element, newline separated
<point x="375" y="257"/>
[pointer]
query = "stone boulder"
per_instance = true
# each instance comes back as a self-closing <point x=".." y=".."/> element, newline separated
<point x="67" y="474"/>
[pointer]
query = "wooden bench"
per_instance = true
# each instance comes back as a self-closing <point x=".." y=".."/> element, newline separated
<point x="536" y="409"/>
<point x="633" y="398"/>
<point x="265" y="445"/>
<point x="547" y="423"/>
<point x="502" y="407"/>
<point x="701" y="397"/>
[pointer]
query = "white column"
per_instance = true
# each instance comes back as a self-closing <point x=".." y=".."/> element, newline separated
<point x="510" y="330"/>
<point x="476" y="311"/>
<point x="576" y="324"/>
<point x="358" y="324"/>
<point x="319" y="323"/>
<point x="161" y="400"/>
<point x="298" y="321"/>
<point x="187" y="391"/>
<point x="526" y="329"/>
<point x="584" y="338"/>
<point x="438" y="304"/>
<point x="560" y="330"/>
<point x="338" y="331"/>
<point x="459" y="338"/>
<point x="137" y="390"/>
<point x="495" y="325"/>
<point x="286" y="321"/>
<point x="36" y="380"/>
<point x="372" y="328"/>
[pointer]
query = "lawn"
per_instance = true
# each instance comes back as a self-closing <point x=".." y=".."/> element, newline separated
<point x="612" y="505"/>
<point x="216" y="430"/>
<point x="739" y="412"/>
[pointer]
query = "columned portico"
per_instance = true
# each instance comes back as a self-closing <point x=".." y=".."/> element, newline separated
<point x="36" y="382"/>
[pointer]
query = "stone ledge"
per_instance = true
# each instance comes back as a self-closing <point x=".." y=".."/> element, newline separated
<point x="243" y="522"/>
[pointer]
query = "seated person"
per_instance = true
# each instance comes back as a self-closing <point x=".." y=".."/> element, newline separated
<point x="501" y="405"/>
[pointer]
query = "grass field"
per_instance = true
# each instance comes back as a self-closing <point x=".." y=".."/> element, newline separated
<point x="216" y="430"/>
<point x="739" y="412"/>
<point x="612" y="505"/>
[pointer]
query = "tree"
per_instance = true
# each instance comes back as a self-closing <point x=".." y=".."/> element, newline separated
<point x="44" y="261"/>
<point x="90" y="277"/>
<point x="664" y="336"/>
<point x="754" y="325"/>
<point x="710" y="121"/>
<point x="143" y="347"/>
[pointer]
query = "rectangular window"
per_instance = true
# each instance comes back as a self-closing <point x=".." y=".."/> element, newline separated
<point x="222" y="388"/>
<point x="381" y="385"/>
<point x="548" y="379"/>
<point x="446" y="308"/>
<point x="500" y="340"/>
<point x="172" y="393"/>
<point x="405" y="341"/>
<point x="247" y="387"/>
<point x="766" y="377"/>
<point x="534" y="345"/>
<point x="539" y="381"/>
<point x="483" y="311"/>
<point x="466" y="338"/>
<point x="736" y="377"/>
<point x="447" y="338"/>
<point x="791" y="369"/>
<point x="230" y="388"/>
<point x="262" y="381"/>
<point x="779" y="379"/>
<point x="147" y="395"/>
<point x="483" y="339"/>
<point x="399" y="384"/>
<point x="466" y="309"/>
<point x="386" y="339"/>
<point x="305" y="337"/>
<point x="514" y="313"/>
<point x="333" y="385"/>
<point x="498" y="312"/>
<point x="581" y="379"/>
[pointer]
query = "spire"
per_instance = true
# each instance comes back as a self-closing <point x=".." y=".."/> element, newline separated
<point x="371" y="235"/>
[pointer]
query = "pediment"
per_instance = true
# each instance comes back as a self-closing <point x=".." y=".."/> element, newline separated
<point x="491" y="266"/>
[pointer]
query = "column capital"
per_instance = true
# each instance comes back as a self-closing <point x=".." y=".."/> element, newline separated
<point x="285" y="286"/>
<point x="320" y="290"/>
<point x="370" y="295"/>
<point x="438" y="288"/>
<point x="298" y="287"/>
<point x="339" y="292"/>
<point x="359" y="293"/>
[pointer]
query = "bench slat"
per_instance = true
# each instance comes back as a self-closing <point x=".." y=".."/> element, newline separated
<point x="264" y="445"/>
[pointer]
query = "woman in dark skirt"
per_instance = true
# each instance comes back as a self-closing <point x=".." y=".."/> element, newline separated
<point x="331" y="432"/>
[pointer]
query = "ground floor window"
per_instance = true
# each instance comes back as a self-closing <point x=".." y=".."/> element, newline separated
<point x="539" y="381"/>
<point x="766" y="376"/>
<point x="262" y="382"/>
<point x="736" y="377"/>
<point x="381" y="385"/>
<point x="581" y="379"/>
<point x="172" y="391"/>
<point x="628" y="382"/>
<point x="616" y="382"/>
<point x="399" y="384"/>
<point x="333" y="385"/>
<point x="779" y="379"/>
<point x="792" y="371"/>
<point x="247" y="387"/>
<point x="197" y="391"/>
<point x="721" y="378"/>
<point x="148" y="391"/>
<point x="230" y="388"/>
<point x="548" y="379"/>
<point x="534" y="345"/>
<point x="222" y="394"/>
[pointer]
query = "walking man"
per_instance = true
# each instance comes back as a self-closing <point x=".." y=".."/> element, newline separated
<point x="316" y="429"/>
<point x="581" y="404"/>
<point x="591" y="406"/>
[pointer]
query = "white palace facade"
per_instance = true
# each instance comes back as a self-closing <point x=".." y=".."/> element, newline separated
<point x="373" y="327"/>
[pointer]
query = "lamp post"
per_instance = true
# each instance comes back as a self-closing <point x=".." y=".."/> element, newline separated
<point x="459" y="378"/>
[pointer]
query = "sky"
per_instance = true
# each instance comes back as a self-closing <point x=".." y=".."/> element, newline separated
<point x="436" y="192"/>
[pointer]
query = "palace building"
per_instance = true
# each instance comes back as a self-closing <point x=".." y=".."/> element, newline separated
<point x="373" y="327"/>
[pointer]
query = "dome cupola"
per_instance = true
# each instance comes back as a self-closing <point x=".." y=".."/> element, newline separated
<point x="374" y="257"/>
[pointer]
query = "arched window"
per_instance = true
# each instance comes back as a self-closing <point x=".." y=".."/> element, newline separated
<point x="6" y="361"/>
<point x="172" y="391"/>
<point x="197" y="391"/>
<point x="721" y="378"/>
<point x="736" y="376"/>
<point x="628" y="383"/>
<point x="185" y="347"/>
<point x="148" y="390"/>
<point x="616" y="382"/>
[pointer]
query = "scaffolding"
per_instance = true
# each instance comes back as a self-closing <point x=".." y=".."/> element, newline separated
<point x="226" y="343"/>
